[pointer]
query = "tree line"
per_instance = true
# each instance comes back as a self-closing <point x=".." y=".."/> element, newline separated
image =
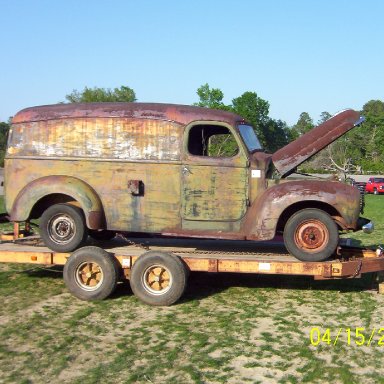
<point x="359" y="151"/>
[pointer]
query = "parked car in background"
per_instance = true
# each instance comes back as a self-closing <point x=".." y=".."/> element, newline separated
<point x="360" y="185"/>
<point x="375" y="185"/>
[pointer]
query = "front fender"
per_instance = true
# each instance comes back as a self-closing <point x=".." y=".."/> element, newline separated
<point x="265" y="212"/>
<point x="77" y="189"/>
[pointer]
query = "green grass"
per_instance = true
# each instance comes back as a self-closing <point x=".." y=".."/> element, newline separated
<point x="374" y="210"/>
<point x="8" y="227"/>
<point x="4" y="227"/>
<point x="227" y="328"/>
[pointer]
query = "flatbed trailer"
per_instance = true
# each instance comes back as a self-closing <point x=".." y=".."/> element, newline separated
<point x="158" y="268"/>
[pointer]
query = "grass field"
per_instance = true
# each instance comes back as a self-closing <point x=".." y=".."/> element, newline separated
<point x="228" y="328"/>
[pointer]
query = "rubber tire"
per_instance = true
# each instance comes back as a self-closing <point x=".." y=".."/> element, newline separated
<point x="375" y="191"/>
<point x="102" y="235"/>
<point x="81" y="229"/>
<point x="106" y="262"/>
<point x="295" y="220"/>
<point x="175" y="267"/>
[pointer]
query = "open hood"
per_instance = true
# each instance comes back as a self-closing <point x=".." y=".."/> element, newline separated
<point x="289" y="157"/>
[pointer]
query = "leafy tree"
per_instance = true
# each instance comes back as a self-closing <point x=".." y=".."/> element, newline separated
<point x="273" y="134"/>
<point x="255" y="110"/>
<point x="252" y="107"/>
<point x="210" y="98"/>
<point x="324" y="116"/>
<point x="276" y="133"/>
<point x="303" y="125"/>
<point x="373" y="111"/>
<point x="361" y="149"/>
<point x="90" y="95"/>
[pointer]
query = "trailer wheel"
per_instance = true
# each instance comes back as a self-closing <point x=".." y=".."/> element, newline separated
<point x="311" y="235"/>
<point x="158" y="278"/>
<point x="91" y="273"/>
<point x="63" y="228"/>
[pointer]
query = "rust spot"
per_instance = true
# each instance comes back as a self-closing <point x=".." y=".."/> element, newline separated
<point x="212" y="265"/>
<point x="180" y="113"/>
<point x="95" y="220"/>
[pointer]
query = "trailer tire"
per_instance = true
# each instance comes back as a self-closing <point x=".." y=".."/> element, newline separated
<point x="158" y="278"/>
<point x="311" y="235"/>
<point x="91" y="273"/>
<point x="63" y="228"/>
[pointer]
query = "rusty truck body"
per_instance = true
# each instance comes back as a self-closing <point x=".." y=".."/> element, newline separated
<point x="102" y="168"/>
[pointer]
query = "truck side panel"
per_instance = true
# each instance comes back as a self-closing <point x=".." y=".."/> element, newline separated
<point x="157" y="208"/>
<point x="132" y="164"/>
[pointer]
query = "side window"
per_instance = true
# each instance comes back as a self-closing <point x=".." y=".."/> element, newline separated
<point x="211" y="140"/>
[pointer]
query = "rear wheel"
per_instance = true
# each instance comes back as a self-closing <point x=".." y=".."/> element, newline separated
<point x="311" y="235"/>
<point x="63" y="228"/>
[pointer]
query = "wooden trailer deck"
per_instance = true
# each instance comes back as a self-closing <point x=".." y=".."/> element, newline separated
<point x="158" y="268"/>
<point x="209" y="256"/>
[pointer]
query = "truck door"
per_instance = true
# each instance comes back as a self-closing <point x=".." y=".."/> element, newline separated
<point x="214" y="174"/>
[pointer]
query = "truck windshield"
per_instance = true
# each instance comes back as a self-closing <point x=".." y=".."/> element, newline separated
<point x="249" y="137"/>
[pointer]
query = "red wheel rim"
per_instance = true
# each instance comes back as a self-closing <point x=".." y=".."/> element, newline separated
<point x="311" y="236"/>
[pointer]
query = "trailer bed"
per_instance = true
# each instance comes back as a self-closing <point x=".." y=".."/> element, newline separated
<point x="209" y="256"/>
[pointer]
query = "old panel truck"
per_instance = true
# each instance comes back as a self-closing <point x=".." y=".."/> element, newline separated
<point x="104" y="168"/>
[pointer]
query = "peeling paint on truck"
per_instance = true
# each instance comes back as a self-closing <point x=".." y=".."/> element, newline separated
<point x="137" y="167"/>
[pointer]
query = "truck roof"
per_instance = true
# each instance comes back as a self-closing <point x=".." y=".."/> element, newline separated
<point x="179" y="113"/>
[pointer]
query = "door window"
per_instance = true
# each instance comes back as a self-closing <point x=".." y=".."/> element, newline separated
<point x="212" y="141"/>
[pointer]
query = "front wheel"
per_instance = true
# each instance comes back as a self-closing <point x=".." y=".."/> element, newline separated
<point x="311" y="235"/>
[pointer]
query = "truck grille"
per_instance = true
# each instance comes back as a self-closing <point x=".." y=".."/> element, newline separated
<point x="361" y="187"/>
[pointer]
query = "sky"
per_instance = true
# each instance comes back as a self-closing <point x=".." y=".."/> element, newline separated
<point x="299" y="55"/>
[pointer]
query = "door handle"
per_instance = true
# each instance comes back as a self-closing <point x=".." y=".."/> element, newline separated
<point x="136" y="187"/>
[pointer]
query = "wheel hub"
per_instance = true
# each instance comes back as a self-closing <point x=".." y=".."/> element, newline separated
<point x="311" y="235"/>
<point x="89" y="276"/>
<point x="157" y="280"/>
<point x="61" y="228"/>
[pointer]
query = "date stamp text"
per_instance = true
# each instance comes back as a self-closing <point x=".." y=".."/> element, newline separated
<point x="358" y="336"/>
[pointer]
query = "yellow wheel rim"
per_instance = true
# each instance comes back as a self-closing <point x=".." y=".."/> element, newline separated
<point x="157" y="280"/>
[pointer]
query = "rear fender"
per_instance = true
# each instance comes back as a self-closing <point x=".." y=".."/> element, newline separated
<point x="73" y="187"/>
